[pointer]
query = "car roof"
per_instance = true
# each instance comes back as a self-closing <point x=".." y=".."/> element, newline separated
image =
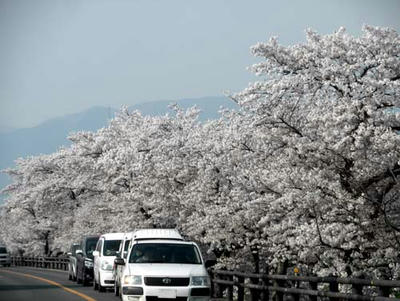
<point x="145" y="234"/>
<point x="166" y="241"/>
<point x="128" y="235"/>
<point x="113" y="236"/>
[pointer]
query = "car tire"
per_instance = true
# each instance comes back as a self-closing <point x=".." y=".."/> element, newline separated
<point x="95" y="285"/>
<point x="85" y="282"/>
<point x="69" y="277"/>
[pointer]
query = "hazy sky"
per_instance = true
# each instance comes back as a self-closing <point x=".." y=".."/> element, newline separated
<point x="59" y="57"/>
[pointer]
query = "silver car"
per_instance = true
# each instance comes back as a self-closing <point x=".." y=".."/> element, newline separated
<point x="72" y="261"/>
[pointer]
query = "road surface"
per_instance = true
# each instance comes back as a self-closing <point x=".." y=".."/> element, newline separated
<point x="24" y="283"/>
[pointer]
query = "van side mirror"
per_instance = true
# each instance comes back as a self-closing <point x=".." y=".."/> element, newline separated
<point x="125" y="254"/>
<point x="96" y="253"/>
<point x="210" y="262"/>
<point x="119" y="261"/>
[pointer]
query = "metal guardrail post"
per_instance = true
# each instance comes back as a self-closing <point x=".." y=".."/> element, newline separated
<point x="278" y="294"/>
<point x="384" y="291"/>
<point x="240" y="280"/>
<point x="254" y="293"/>
<point x="314" y="287"/>
<point x="230" y="288"/>
<point x="357" y="289"/>
<point x="333" y="287"/>
<point x="265" y="292"/>
<point x="212" y="289"/>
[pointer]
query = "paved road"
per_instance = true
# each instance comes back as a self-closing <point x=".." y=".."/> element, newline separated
<point x="17" y="284"/>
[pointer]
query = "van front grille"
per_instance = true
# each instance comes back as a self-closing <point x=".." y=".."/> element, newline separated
<point x="155" y="298"/>
<point x="166" y="281"/>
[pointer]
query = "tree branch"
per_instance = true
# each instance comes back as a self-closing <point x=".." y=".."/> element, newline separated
<point x="397" y="77"/>
<point x="295" y="130"/>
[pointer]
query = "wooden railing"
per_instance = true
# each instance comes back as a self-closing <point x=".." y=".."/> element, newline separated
<point x="240" y="286"/>
<point x="58" y="263"/>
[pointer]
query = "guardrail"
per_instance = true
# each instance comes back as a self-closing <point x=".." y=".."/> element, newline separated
<point x="262" y="287"/>
<point x="233" y="285"/>
<point x="58" y="263"/>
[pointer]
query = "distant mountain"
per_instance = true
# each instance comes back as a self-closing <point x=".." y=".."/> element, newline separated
<point x="49" y="136"/>
<point x="6" y="129"/>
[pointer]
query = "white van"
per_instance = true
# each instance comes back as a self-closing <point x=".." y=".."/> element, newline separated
<point x="161" y="265"/>
<point x="123" y="253"/>
<point x="103" y="260"/>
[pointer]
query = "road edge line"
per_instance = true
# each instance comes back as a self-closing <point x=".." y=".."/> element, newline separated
<point x="69" y="290"/>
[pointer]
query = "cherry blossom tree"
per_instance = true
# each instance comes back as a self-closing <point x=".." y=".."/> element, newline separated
<point x="306" y="173"/>
<point x="328" y="111"/>
<point x="40" y="201"/>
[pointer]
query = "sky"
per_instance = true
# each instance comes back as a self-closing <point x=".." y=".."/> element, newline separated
<point x="62" y="57"/>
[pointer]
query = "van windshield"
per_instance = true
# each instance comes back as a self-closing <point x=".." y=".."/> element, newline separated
<point x="111" y="247"/>
<point x="164" y="253"/>
<point x="3" y="250"/>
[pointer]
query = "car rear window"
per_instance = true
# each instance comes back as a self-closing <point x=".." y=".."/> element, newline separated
<point x="111" y="247"/>
<point x="91" y="246"/>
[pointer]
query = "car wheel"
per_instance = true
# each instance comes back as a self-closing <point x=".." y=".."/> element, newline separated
<point x="95" y="285"/>
<point x="69" y="277"/>
<point x="85" y="282"/>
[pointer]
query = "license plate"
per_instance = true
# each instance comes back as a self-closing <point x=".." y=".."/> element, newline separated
<point x="166" y="293"/>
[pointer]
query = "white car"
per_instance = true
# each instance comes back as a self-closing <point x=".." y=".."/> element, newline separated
<point x="103" y="261"/>
<point x="161" y="265"/>
<point x="122" y="253"/>
<point x="4" y="257"/>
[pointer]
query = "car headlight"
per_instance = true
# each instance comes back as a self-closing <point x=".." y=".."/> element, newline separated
<point x="200" y="281"/>
<point x="88" y="263"/>
<point x="133" y="280"/>
<point x="107" y="266"/>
